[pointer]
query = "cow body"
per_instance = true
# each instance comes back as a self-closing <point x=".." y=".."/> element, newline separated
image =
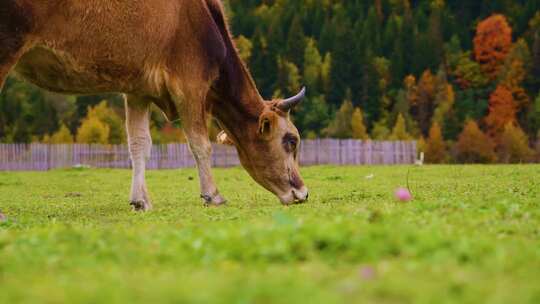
<point x="177" y="54"/>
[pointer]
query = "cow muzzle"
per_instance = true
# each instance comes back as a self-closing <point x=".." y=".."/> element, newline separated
<point x="295" y="196"/>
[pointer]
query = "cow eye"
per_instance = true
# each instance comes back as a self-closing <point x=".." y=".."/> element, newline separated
<point x="290" y="142"/>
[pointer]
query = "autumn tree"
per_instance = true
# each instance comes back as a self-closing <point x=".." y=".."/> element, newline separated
<point x="514" y="71"/>
<point x="357" y="125"/>
<point x="423" y="105"/>
<point x="502" y="110"/>
<point x="62" y="136"/>
<point x="492" y="44"/>
<point x="474" y="146"/>
<point x="435" y="147"/>
<point x="514" y="145"/>
<point x="93" y="131"/>
<point x="399" y="132"/>
<point x="444" y="101"/>
<point x="101" y="120"/>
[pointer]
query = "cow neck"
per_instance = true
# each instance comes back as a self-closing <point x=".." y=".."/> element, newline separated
<point x="236" y="102"/>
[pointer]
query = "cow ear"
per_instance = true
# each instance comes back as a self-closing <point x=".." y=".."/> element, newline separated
<point x="223" y="139"/>
<point x="267" y="121"/>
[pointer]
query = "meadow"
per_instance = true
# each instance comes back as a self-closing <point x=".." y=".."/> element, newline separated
<point x="471" y="235"/>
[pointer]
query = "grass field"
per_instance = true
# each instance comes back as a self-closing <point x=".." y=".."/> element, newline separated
<point x="472" y="235"/>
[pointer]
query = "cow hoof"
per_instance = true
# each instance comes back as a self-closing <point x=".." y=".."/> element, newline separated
<point x="141" y="206"/>
<point x="213" y="201"/>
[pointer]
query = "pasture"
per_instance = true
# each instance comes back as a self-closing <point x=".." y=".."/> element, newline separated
<point x="471" y="235"/>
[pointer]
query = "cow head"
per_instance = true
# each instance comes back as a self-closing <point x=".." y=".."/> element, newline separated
<point x="269" y="150"/>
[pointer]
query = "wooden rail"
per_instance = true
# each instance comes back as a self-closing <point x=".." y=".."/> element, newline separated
<point x="42" y="157"/>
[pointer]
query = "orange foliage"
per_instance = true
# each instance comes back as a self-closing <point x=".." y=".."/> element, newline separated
<point x="474" y="146"/>
<point x="435" y="146"/>
<point x="502" y="110"/>
<point x="492" y="44"/>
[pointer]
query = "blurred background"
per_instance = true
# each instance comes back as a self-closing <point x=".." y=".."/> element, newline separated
<point x="461" y="77"/>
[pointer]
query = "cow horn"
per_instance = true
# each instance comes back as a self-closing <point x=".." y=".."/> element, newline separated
<point x="287" y="104"/>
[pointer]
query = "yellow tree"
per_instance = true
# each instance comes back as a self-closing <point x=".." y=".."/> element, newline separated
<point x="62" y="136"/>
<point x="514" y="145"/>
<point x="358" y="127"/>
<point x="399" y="132"/>
<point x="93" y="131"/>
<point x="492" y="44"/>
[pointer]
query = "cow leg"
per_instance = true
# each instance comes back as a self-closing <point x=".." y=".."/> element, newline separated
<point x="140" y="144"/>
<point x="194" y="118"/>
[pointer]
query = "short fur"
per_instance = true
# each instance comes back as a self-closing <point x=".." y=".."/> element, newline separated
<point x="178" y="54"/>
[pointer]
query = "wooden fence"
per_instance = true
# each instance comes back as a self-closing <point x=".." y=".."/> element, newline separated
<point x="41" y="157"/>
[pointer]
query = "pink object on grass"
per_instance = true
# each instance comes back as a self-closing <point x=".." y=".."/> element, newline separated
<point x="403" y="194"/>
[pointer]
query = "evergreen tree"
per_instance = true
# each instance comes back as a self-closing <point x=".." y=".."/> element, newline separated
<point x="296" y="42"/>
<point x="380" y="130"/>
<point x="341" y="126"/>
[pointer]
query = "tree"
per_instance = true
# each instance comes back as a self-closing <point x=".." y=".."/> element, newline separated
<point x="492" y="44"/>
<point x="244" y="46"/>
<point x="380" y="130"/>
<point x="357" y="125"/>
<point x="312" y="116"/>
<point x="514" y="72"/>
<point x="435" y="148"/>
<point x="399" y="132"/>
<point x="93" y="131"/>
<point x="341" y="126"/>
<point x="469" y="73"/>
<point x="514" y="145"/>
<point x="444" y="100"/>
<point x="534" y="116"/>
<point x="502" y="110"/>
<point x="107" y="115"/>
<point x="288" y="77"/>
<point x="474" y="146"/>
<point x="312" y="65"/>
<point x="296" y="42"/>
<point x="423" y="105"/>
<point x="62" y="136"/>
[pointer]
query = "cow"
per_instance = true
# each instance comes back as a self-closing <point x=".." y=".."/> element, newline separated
<point x="176" y="54"/>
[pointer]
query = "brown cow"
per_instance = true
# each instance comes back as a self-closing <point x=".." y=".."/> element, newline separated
<point x="177" y="54"/>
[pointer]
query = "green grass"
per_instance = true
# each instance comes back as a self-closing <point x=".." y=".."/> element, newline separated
<point x="472" y="235"/>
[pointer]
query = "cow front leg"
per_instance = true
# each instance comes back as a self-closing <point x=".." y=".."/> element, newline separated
<point x="194" y="118"/>
<point x="140" y="145"/>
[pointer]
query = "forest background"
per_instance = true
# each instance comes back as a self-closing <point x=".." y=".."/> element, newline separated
<point x="461" y="77"/>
